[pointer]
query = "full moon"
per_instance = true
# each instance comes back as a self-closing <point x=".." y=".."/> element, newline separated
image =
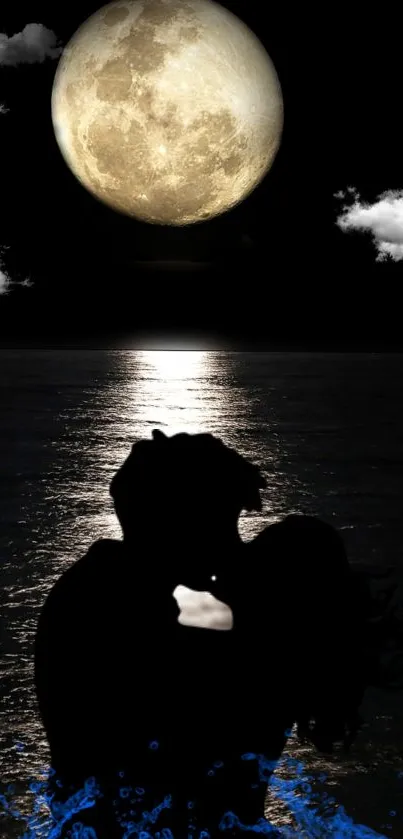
<point x="169" y="111"/>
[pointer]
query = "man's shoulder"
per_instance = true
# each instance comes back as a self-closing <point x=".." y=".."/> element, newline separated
<point x="90" y="571"/>
<point x="98" y="556"/>
<point x="103" y="550"/>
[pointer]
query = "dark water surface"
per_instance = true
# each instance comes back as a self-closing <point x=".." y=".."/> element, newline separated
<point x="327" y="431"/>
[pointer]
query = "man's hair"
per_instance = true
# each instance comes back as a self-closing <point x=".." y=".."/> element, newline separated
<point x="171" y="468"/>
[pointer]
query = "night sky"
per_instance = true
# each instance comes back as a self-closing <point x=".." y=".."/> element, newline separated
<point x="276" y="270"/>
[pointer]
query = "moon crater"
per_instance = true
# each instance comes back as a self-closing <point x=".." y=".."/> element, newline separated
<point x="167" y="111"/>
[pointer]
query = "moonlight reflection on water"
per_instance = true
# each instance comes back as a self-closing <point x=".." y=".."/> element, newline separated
<point x="171" y="385"/>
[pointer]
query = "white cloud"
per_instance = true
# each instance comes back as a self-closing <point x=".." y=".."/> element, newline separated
<point x="6" y="282"/>
<point x="34" y="44"/>
<point x="383" y="220"/>
<point x="3" y="109"/>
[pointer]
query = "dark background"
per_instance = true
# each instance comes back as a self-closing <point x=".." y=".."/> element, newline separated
<point x="295" y="281"/>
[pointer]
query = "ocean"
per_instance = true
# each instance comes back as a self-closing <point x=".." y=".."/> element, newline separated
<point x="327" y="432"/>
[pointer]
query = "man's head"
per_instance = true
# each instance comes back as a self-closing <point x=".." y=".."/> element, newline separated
<point x="183" y="484"/>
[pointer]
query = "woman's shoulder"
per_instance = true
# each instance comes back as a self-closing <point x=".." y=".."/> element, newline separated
<point x="308" y="542"/>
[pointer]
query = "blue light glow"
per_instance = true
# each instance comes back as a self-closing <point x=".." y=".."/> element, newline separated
<point x="315" y="822"/>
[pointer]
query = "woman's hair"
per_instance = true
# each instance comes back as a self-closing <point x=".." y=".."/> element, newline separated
<point x="378" y="598"/>
<point x="343" y="634"/>
<point x="352" y="630"/>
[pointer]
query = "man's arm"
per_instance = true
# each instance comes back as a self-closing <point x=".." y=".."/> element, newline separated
<point x="67" y="665"/>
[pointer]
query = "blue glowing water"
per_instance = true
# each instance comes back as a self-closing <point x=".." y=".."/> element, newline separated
<point x="312" y="812"/>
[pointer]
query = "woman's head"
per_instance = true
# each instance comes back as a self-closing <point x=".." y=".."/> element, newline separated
<point x="342" y="632"/>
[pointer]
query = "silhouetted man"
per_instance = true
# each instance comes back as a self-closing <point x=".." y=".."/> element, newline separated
<point x="127" y="695"/>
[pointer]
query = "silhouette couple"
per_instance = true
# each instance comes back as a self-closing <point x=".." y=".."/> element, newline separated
<point x="181" y="726"/>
